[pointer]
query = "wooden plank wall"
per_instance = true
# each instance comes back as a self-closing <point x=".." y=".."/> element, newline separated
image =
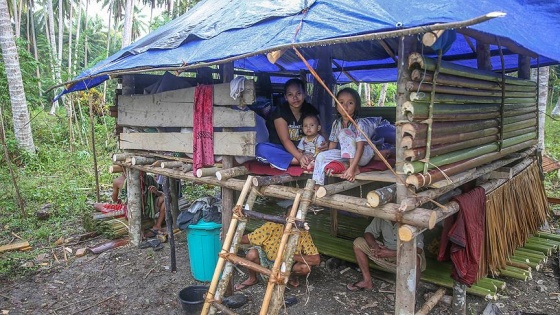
<point x="175" y="109"/>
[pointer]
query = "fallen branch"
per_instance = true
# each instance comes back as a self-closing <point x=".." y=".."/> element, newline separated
<point x="100" y="302"/>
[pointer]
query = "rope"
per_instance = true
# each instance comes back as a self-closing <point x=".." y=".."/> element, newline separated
<point x="431" y="113"/>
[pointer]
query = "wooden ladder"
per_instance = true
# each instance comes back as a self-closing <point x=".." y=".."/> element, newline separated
<point x="279" y="274"/>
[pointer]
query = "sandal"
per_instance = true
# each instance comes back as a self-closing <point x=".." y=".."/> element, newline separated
<point x="151" y="233"/>
<point x="353" y="287"/>
<point x="153" y="243"/>
<point x="243" y="285"/>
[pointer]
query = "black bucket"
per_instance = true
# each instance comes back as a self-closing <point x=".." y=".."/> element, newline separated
<point x="192" y="298"/>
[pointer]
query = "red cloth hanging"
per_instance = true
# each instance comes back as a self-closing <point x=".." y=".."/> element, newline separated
<point x="203" y="130"/>
<point x="466" y="236"/>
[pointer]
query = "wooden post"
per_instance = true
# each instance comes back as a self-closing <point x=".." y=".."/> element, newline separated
<point x="459" y="306"/>
<point x="174" y="187"/>
<point x="524" y="67"/>
<point x="227" y="194"/>
<point x="405" y="286"/>
<point x="169" y="223"/>
<point x="483" y="56"/>
<point x="93" y="151"/>
<point x="278" y="295"/>
<point x="134" y="205"/>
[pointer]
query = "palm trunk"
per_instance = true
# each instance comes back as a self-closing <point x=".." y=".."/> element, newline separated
<point x="127" y="31"/>
<point x="70" y="106"/>
<point x="55" y="64"/>
<point x="15" y="16"/>
<point x="382" y="94"/>
<point x="543" y="75"/>
<point x="35" y="52"/>
<point x="20" y="114"/>
<point x="78" y="28"/>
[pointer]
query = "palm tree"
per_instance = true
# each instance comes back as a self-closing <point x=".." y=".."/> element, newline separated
<point x="127" y="28"/>
<point x="20" y="114"/>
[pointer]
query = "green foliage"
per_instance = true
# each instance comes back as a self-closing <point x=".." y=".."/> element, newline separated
<point x="57" y="176"/>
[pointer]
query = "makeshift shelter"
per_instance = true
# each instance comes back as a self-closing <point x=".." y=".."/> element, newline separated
<point x="458" y="116"/>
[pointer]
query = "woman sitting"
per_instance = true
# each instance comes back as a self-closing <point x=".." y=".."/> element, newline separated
<point x="284" y="127"/>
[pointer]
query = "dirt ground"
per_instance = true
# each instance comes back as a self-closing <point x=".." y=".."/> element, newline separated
<point x="129" y="280"/>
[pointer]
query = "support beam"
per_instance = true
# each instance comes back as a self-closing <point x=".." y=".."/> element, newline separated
<point x="524" y="67"/>
<point x="134" y="206"/>
<point x="459" y="306"/>
<point x="169" y="223"/>
<point x="405" y="286"/>
<point x="483" y="56"/>
<point x="174" y="187"/>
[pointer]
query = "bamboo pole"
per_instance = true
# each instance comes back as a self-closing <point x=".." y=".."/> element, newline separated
<point x="382" y="195"/>
<point x="413" y="86"/>
<point x="120" y="157"/>
<point x="225" y="247"/>
<point x="115" y="169"/>
<point x="469" y="99"/>
<point x="421" y="180"/>
<point x="418" y="130"/>
<point x="417" y="60"/>
<point x="203" y="172"/>
<point x="456" y="156"/>
<point x="259" y="181"/>
<point x="336" y="188"/>
<point x="409" y="142"/>
<point x="278" y="294"/>
<point x="466" y="82"/>
<point x="169" y="224"/>
<point x="416" y="111"/>
<point x="142" y="160"/>
<point x="417" y="154"/>
<point x="431" y="302"/>
<point x="224" y="174"/>
<point x="171" y="164"/>
<point x="240" y="229"/>
<point x="458" y="180"/>
<point x="418" y="217"/>
<point x="275" y="277"/>
<point x="273" y="218"/>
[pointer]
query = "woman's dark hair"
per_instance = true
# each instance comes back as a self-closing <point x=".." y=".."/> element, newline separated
<point x="356" y="97"/>
<point x="294" y="81"/>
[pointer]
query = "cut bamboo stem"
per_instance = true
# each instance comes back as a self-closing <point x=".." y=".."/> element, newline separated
<point x="259" y="181"/>
<point x="382" y="195"/>
<point x="142" y="160"/>
<point x="336" y="188"/>
<point x="231" y="172"/>
<point x="115" y="169"/>
<point x="208" y="171"/>
<point x="171" y="164"/>
<point x="431" y="302"/>
<point x="417" y="60"/>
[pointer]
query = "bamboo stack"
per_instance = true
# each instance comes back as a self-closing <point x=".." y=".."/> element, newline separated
<point x="514" y="211"/>
<point x="472" y="115"/>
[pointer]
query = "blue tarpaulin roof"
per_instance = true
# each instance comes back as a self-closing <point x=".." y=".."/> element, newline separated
<point x="243" y="30"/>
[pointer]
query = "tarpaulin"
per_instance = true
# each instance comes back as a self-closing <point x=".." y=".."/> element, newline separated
<point x="243" y="30"/>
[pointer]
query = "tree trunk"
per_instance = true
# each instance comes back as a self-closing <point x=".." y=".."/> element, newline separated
<point x="556" y="111"/>
<point x="382" y="94"/>
<point x="20" y="114"/>
<point x="35" y="52"/>
<point x="55" y="64"/>
<point x="15" y="17"/>
<point x="127" y="31"/>
<point x="543" y="75"/>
